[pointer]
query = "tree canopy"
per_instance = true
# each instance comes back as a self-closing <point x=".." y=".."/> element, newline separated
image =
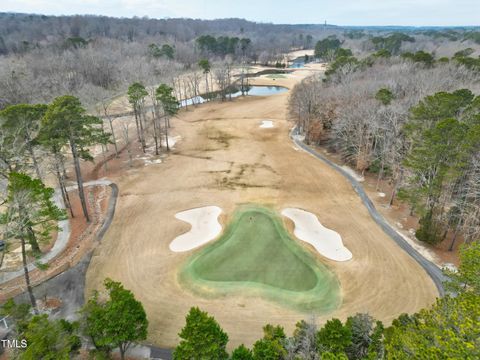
<point x="443" y="136"/>
<point x="136" y="93"/>
<point x="271" y="346"/>
<point x="50" y="339"/>
<point x="30" y="212"/>
<point x="19" y="125"/>
<point x="66" y="122"/>
<point x="242" y="353"/>
<point x="164" y="94"/>
<point x="45" y="338"/>
<point x="222" y="45"/>
<point x="202" y="338"/>
<point x="385" y="96"/>
<point x="117" y="322"/>
<point x="326" y="47"/>
<point x="392" y="42"/>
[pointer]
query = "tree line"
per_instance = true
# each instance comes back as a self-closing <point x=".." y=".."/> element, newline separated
<point x="109" y="320"/>
<point x="223" y="45"/>
<point x="114" y="319"/>
<point x="411" y="121"/>
<point x="29" y="133"/>
<point x="98" y="68"/>
<point x="449" y="329"/>
<point x="34" y="140"/>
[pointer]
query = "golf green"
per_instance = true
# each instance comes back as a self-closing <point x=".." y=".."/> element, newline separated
<point x="257" y="256"/>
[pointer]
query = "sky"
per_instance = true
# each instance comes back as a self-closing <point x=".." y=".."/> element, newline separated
<point x="339" y="12"/>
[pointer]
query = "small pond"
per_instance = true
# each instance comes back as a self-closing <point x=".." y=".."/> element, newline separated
<point x="297" y="65"/>
<point x="235" y="92"/>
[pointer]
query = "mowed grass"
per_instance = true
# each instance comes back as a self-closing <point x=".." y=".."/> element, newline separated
<point x="256" y="253"/>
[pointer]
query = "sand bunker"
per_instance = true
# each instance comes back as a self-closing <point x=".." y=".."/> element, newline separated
<point x="266" y="124"/>
<point x="327" y="242"/>
<point x="205" y="227"/>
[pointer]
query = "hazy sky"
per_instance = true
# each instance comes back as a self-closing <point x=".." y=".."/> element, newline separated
<point x="340" y="12"/>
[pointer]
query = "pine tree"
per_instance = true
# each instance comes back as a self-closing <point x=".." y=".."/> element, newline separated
<point x="117" y="322"/>
<point x="30" y="215"/>
<point x="202" y="338"/>
<point x="66" y="122"/>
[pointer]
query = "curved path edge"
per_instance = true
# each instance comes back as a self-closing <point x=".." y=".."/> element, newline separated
<point x="70" y="285"/>
<point x="431" y="269"/>
<point x="63" y="235"/>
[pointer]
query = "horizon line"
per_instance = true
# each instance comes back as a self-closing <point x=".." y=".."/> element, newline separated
<point x="237" y="18"/>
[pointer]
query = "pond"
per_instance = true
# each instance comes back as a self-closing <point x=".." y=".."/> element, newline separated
<point x="262" y="91"/>
<point x="235" y="92"/>
<point x="297" y="65"/>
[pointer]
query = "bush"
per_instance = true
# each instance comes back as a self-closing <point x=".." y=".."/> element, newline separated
<point x="428" y="230"/>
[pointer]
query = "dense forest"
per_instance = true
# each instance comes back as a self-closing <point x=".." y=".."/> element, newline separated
<point x="411" y="117"/>
<point x="449" y="329"/>
<point x="94" y="57"/>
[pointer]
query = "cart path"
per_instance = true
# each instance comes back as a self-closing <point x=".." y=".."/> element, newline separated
<point x="62" y="237"/>
<point x="432" y="270"/>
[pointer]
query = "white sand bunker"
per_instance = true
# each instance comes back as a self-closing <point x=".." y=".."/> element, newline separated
<point x="205" y="227"/>
<point x="327" y="242"/>
<point x="266" y="124"/>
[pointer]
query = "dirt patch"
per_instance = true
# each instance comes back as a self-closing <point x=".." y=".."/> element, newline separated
<point x="218" y="136"/>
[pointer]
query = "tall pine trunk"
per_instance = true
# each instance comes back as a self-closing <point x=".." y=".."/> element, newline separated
<point x="135" y="111"/>
<point x="142" y="131"/>
<point x="27" y="277"/>
<point x="32" y="240"/>
<point x="61" y="184"/>
<point x="65" y="197"/>
<point x="34" y="158"/>
<point x="110" y="122"/>
<point x="166" y="133"/>
<point x="78" y="174"/>
<point x="452" y="244"/>
<point x="62" y="165"/>
<point x="395" y="188"/>
<point x="155" y="131"/>
<point x="206" y="86"/>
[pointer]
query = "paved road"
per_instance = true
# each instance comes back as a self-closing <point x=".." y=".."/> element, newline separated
<point x="432" y="270"/>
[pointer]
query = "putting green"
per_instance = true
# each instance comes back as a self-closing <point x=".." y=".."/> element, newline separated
<point x="256" y="256"/>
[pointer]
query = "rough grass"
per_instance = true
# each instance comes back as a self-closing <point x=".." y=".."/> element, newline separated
<point x="256" y="254"/>
<point x="275" y="76"/>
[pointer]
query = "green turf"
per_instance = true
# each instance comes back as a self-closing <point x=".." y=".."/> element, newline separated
<point x="256" y="255"/>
